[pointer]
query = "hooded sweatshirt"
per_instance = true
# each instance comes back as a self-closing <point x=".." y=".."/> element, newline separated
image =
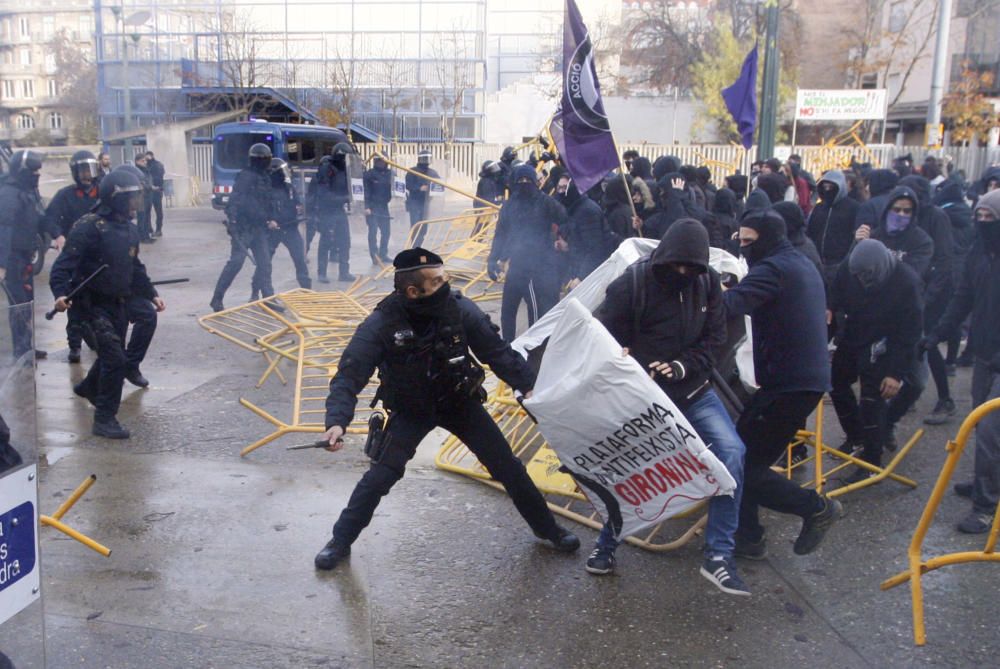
<point x="911" y="245"/>
<point x="525" y="228"/>
<point x="887" y="306"/>
<point x="662" y="322"/>
<point x="831" y="224"/>
<point x="978" y="290"/>
<point x="583" y="231"/>
<point x="784" y="296"/>
<point x="935" y="223"/>
<point x="980" y="187"/>
<point x="674" y="204"/>
<point x="757" y="199"/>
<point x="774" y="186"/>
<point x="665" y="165"/>
<point x="617" y="210"/>
<point x="880" y="185"/>
<point x="795" y="223"/>
<point x="726" y="211"/>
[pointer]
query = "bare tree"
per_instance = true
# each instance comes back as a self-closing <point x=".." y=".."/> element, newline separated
<point x="455" y="75"/>
<point x="76" y="73"/>
<point x="396" y="78"/>
<point x="347" y="81"/>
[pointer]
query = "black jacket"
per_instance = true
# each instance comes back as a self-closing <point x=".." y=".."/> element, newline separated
<point x="416" y="198"/>
<point x="286" y="205"/>
<point x="21" y="221"/>
<point x="618" y="211"/>
<point x="893" y="311"/>
<point x="934" y="221"/>
<point x="378" y="186"/>
<point x="156" y="173"/>
<point x="832" y="225"/>
<point x="795" y="224"/>
<point x="785" y="298"/>
<point x="251" y="204"/>
<point x="880" y="185"/>
<point x="658" y="324"/>
<point x="371" y="346"/>
<point x="489" y="188"/>
<point x="977" y="293"/>
<point x="913" y="246"/>
<point x="676" y="205"/>
<point x="95" y="241"/>
<point x="951" y="200"/>
<point x="68" y="205"/>
<point x="525" y="233"/>
<point x="584" y="233"/>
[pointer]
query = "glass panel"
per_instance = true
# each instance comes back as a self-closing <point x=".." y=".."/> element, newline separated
<point x="231" y="150"/>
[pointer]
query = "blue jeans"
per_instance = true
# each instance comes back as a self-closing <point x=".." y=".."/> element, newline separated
<point x="712" y="423"/>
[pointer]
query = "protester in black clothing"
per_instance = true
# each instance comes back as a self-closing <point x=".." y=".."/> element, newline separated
<point x="989" y="181"/>
<point x="22" y="222"/>
<point x="581" y="236"/>
<point x="704" y="178"/>
<point x="757" y="200"/>
<point x="832" y="223"/>
<point x="900" y="233"/>
<point x="903" y="165"/>
<point x="950" y="197"/>
<point x="144" y="217"/>
<point x="378" y="195"/>
<point x="665" y="165"/>
<point x="880" y="185"/>
<point x="879" y="296"/>
<point x="693" y="186"/>
<point x="617" y="210"/>
<point x="524" y="237"/>
<point x="782" y="293"/>
<point x="418" y="192"/>
<point x="66" y="207"/>
<point x="106" y="237"/>
<point x="422" y="339"/>
<point x="642" y="187"/>
<point x="674" y="203"/>
<point x="287" y="208"/>
<point x="774" y="185"/>
<point x="726" y="211"/>
<point x="250" y="213"/>
<point x="157" y="173"/>
<point x="795" y="225"/>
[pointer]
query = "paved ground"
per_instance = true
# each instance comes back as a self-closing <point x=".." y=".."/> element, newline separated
<point x="212" y="562"/>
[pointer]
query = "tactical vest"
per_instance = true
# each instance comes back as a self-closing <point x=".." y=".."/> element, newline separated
<point x="118" y="246"/>
<point x="427" y="371"/>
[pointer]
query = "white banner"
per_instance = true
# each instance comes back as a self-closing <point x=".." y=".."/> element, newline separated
<point x="633" y="453"/>
<point x="840" y="105"/>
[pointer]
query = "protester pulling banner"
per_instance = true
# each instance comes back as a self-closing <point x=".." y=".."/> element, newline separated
<point x="741" y="99"/>
<point x="632" y="452"/>
<point x="580" y="127"/>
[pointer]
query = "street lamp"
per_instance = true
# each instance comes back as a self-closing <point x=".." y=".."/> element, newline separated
<point x="136" y="19"/>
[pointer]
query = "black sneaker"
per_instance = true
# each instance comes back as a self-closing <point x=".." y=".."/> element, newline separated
<point x="346" y="277"/>
<point x="943" y="411"/>
<point x="814" y="527"/>
<point x="323" y="279"/>
<point x="563" y="541"/>
<point x="976" y="523"/>
<point x="858" y="475"/>
<point x="890" y="443"/>
<point x="86" y="393"/>
<point x="136" y="378"/>
<point x="216" y="304"/>
<point x="110" y="429"/>
<point x="963" y="489"/>
<point x="331" y="555"/>
<point x="750" y="550"/>
<point x="722" y="574"/>
<point x="601" y="561"/>
<point x="799" y="455"/>
<point x="74" y="356"/>
<point x="851" y="446"/>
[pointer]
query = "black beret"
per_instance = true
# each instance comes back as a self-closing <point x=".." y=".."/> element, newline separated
<point x="416" y="258"/>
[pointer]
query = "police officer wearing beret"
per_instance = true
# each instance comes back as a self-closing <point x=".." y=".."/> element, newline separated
<point x="422" y="338"/>
<point x="106" y="237"/>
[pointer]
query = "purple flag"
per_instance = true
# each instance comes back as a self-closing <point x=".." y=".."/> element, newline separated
<point x="580" y="128"/>
<point x="741" y="99"/>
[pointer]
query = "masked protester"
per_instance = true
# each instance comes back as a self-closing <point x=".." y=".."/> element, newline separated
<point x="106" y="236"/>
<point x="978" y="295"/>
<point x="418" y="192"/>
<point x="950" y="197"/>
<point x="582" y="236"/>
<point x="673" y="203"/>
<point x="880" y="186"/>
<point x="617" y="210"/>
<point x="899" y="232"/>
<point x="879" y="297"/>
<point x="524" y="237"/>
<point x="831" y="222"/>
<point x="795" y="224"/>
<point x="67" y="206"/>
<point x="378" y="194"/>
<point x="782" y="293"/>
<point x="22" y="222"/>
<point x="422" y="339"/>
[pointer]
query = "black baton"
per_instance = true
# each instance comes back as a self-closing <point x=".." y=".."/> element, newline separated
<point x="51" y="314"/>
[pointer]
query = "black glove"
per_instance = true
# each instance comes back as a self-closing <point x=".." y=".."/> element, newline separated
<point x="928" y="343"/>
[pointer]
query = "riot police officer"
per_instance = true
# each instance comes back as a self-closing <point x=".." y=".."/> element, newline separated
<point x="66" y="207"/>
<point x="22" y="221"/>
<point x="378" y="194"/>
<point x="286" y="213"/>
<point x="491" y="186"/>
<point x="249" y="214"/>
<point x="417" y="194"/>
<point x="420" y="338"/>
<point x="328" y="200"/>
<point x="106" y="237"/>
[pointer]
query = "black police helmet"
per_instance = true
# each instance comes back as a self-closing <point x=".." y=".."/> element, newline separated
<point x="424" y="158"/>
<point x="260" y="156"/>
<point x="120" y="192"/>
<point x="280" y="167"/>
<point x="508" y="154"/>
<point x="24" y="166"/>
<point x="342" y="149"/>
<point x="83" y="164"/>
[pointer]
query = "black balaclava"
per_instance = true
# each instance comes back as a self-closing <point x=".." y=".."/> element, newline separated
<point x="523" y="190"/>
<point x="989" y="232"/>
<point x="429" y="306"/>
<point x="684" y="243"/>
<point x="571" y="197"/>
<point x="771" y="232"/>
<point x="871" y="263"/>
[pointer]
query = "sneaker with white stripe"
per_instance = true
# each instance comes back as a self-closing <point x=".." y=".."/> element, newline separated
<point x="722" y="574"/>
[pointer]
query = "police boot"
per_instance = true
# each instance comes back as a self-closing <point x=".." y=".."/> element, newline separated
<point x="110" y="429"/>
<point x="331" y="555"/>
<point x="135" y="377"/>
<point x="345" y="273"/>
<point x="88" y="393"/>
<point x="74" y="355"/>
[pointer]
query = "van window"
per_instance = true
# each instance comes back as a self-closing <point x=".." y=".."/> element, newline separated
<point x="301" y="150"/>
<point x="231" y="149"/>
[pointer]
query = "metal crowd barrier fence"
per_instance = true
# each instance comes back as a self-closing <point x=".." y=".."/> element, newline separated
<point x="55" y="520"/>
<point x="918" y="566"/>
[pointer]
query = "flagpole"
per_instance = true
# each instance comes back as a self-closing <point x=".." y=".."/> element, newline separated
<point x="628" y="191"/>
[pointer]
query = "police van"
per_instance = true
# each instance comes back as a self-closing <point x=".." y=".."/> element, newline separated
<point x="301" y="146"/>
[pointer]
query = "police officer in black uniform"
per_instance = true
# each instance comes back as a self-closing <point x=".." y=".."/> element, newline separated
<point x="286" y="213"/>
<point x="422" y="338"/>
<point x="328" y="200"/>
<point x="378" y="194"/>
<point x="250" y="214"/>
<point x="418" y="192"/>
<point x="106" y="237"/>
<point x="22" y="220"/>
<point x="67" y="206"/>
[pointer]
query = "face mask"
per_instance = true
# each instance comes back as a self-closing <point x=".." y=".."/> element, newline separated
<point x="27" y="179"/>
<point x="671" y="279"/>
<point x="524" y="189"/>
<point x="896" y="223"/>
<point x="753" y="252"/>
<point x="990" y="234"/>
<point x="429" y="305"/>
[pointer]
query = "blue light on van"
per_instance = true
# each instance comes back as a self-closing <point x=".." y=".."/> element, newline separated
<point x="268" y="137"/>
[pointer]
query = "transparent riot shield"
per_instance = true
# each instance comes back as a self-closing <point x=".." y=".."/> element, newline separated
<point x="21" y="620"/>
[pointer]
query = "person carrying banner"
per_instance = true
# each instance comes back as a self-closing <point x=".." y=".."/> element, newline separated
<point x="667" y="310"/>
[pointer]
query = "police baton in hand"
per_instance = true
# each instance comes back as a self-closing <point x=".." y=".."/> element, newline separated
<point x="51" y="314"/>
<point x="322" y="443"/>
<point x="167" y="282"/>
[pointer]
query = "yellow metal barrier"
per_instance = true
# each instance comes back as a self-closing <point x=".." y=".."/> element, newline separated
<point x="918" y="566"/>
<point x="55" y="520"/>
<point x="560" y="490"/>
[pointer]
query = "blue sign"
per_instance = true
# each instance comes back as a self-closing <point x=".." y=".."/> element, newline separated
<point x="17" y="544"/>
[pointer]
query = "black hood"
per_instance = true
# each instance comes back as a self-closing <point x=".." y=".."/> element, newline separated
<point x="725" y="202"/>
<point x="949" y="192"/>
<point x="774" y="186"/>
<point x="900" y="193"/>
<point x="738" y="184"/>
<point x="919" y="185"/>
<point x="770" y="227"/>
<point x="615" y="193"/>
<point x="641" y="168"/>
<point x="758" y="199"/>
<point x="665" y="165"/>
<point x="686" y="241"/>
<point x="795" y="222"/>
<point x="881" y="181"/>
<point x="665" y="185"/>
